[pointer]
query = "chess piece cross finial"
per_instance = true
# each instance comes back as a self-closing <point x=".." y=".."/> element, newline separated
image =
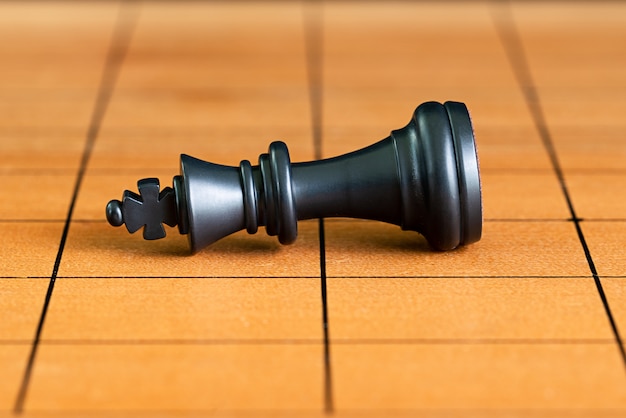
<point x="150" y="208"/>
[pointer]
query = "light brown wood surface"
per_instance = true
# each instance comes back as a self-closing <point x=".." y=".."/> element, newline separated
<point x="94" y="96"/>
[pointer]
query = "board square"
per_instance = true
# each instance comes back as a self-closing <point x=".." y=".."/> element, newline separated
<point x="20" y="308"/>
<point x="481" y="376"/>
<point x="529" y="249"/>
<point x="185" y="310"/>
<point x="455" y="310"/>
<point x="24" y="256"/>
<point x="89" y="253"/>
<point x="115" y="377"/>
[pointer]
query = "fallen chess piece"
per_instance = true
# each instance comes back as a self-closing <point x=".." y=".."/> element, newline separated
<point x="423" y="177"/>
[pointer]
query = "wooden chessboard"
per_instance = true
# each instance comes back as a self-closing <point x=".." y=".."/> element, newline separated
<point x="357" y="318"/>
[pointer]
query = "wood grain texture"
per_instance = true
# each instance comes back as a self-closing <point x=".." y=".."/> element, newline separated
<point x="364" y="320"/>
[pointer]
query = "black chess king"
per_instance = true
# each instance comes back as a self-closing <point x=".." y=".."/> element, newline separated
<point x="423" y="177"/>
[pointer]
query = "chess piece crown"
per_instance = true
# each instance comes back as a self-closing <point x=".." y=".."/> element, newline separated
<point x="423" y="177"/>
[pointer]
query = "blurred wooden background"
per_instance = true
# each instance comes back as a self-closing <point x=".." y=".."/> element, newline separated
<point x="363" y="320"/>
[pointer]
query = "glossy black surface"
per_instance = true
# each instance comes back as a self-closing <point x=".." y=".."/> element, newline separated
<point x="423" y="177"/>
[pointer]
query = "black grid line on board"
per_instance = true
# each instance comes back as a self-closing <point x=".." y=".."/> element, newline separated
<point x="390" y="412"/>
<point x="512" y="43"/>
<point x="339" y="341"/>
<point x="313" y="36"/>
<point x="311" y="341"/>
<point x="336" y="276"/>
<point x="120" y="40"/>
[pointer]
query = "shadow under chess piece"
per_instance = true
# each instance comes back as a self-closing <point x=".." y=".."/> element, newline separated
<point x="423" y="177"/>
